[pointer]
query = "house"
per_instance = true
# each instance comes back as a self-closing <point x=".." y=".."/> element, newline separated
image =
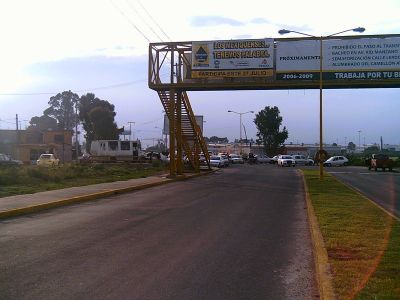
<point x="27" y="145"/>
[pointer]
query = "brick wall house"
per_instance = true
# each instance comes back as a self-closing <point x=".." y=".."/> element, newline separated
<point x="27" y="145"/>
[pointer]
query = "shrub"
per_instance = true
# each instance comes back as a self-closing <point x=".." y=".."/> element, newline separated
<point x="39" y="173"/>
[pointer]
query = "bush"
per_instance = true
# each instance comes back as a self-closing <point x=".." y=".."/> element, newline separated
<point x="39" y="173"/>
<point x="9" y="175"/>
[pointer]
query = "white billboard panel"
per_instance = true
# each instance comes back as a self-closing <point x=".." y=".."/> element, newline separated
<point x="297" y="56"/>
<point x="343" y="59"/>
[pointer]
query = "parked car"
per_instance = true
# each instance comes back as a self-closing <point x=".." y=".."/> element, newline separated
<point x="286" y="160"/>
<point x="274" y="160"/>
<point x="48" y="160"/>
<point x="217" y="161"/>
<point x="6" y="160"/>
<point x="225" y="159"/>
<point x="302" y="160"/>
<point x="336" y="161"/>
<point x="263" y="159"/>
<point x="236" y="159"/>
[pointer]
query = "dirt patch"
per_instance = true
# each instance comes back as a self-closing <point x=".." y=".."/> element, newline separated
<point x="343" y="254"/>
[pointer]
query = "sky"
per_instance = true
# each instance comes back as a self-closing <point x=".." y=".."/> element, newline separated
<point x="101" y="46"/>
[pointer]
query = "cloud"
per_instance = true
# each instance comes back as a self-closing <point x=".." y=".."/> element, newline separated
<point x="259" y="21"/>
<point x="203" y="21"/>
<point x="243" y="36"/>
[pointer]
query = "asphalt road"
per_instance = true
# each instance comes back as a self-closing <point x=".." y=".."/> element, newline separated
<point x="241" y="233"/>
<point x="381" y="187"/>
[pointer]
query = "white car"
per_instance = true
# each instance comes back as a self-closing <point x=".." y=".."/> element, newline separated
<point x="225" y="159"/>
<point x="236" y="159"/>
<point x="274" y="159"/>
<point x="217" y="161"/>
<point x="48" y="160"/>
<point x="336" y="161"/>
<point x="286" y="160"/>
<point x="302" y="160"/>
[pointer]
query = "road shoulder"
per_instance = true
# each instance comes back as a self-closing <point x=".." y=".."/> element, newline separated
<point x="322" y="267"/>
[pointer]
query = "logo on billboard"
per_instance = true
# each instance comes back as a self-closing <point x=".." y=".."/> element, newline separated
<point x="201" y="55"/>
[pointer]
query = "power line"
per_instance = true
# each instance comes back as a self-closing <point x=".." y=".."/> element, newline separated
<point x="77" y="91"/>
<point x="144" y="21"/>
<point x="155" y="22"/>
<point x="149" y="122"/>
<point x="129" y="21"/>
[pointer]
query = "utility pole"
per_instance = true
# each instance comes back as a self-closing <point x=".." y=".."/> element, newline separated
<point x="76" y="131"/>
<point x="130" y="130"/>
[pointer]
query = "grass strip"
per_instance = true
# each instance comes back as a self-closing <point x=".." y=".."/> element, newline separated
<point x="362" y="241"/>
<point x="31" y="179"/>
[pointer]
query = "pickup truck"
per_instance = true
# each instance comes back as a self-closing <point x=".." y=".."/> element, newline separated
<point x="380" y="161"/>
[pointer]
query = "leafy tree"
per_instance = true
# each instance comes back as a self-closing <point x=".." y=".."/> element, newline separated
<point x="104" y="127"/>
<point x="217" y="140"/>
<point x="43" y="123"/>
<point x="268" y="122"/>
<point x="351" y="146"/>
<point x="245" y="141"/>
<point x="62" y="109"/>
<point x="86" y="104"/>
<point x="371" y="150"/>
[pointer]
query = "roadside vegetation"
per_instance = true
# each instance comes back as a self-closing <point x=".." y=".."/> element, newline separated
<point x="16" y="180"/>
<point x="359" y="159"/>
<point x="362" y="241"/>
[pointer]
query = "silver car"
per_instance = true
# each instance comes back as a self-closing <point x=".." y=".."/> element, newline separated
<point x="336" y="161"/>
<point x="217" y="161"/>
<point x="302" y="160"/>
<point x="236" y="159"/>
<point x="263" y="159"/>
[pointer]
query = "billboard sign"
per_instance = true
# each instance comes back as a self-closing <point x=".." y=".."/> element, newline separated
<point x="233" y="58"/>
<point x="343" y="59"/>
<point x="199" y="121"/>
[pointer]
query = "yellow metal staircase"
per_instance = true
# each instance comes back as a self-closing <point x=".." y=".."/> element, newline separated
<point x="190" y="133"/>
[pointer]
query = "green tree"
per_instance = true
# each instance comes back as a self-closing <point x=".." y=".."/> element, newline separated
<point x="351" y="146"/>
<point x="86" y="104"/>
<point x="62" y="108"/>
<point x="371" y="150"/>
<point x="43" y="123"/>
<point x="268" y="122"/>
<point x="217" y="140"/>
<point x="104" y="127"/>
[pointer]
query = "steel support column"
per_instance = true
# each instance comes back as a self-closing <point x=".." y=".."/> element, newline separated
<point x="171" y="117"/>
<point x="179" y="145"/>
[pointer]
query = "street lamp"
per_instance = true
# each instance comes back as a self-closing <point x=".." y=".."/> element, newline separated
<point x="321" y="38"/>
<point x="240" y="128"/>
<point x="162" y="137"/>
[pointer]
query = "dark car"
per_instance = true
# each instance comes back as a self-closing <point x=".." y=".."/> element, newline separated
<point x="5" y="160"/>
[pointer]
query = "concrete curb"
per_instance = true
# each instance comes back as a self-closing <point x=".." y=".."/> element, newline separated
<point x="77" y="199"/>
<point x="322" y="267"/>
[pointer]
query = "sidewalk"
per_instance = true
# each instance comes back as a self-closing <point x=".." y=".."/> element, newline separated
<point x="29" y="203"/>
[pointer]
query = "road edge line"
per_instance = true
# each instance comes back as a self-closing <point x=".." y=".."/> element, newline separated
<point x="322" y="267"/>
<point x="94" y="196"/>
<point x="358" y="192"/>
